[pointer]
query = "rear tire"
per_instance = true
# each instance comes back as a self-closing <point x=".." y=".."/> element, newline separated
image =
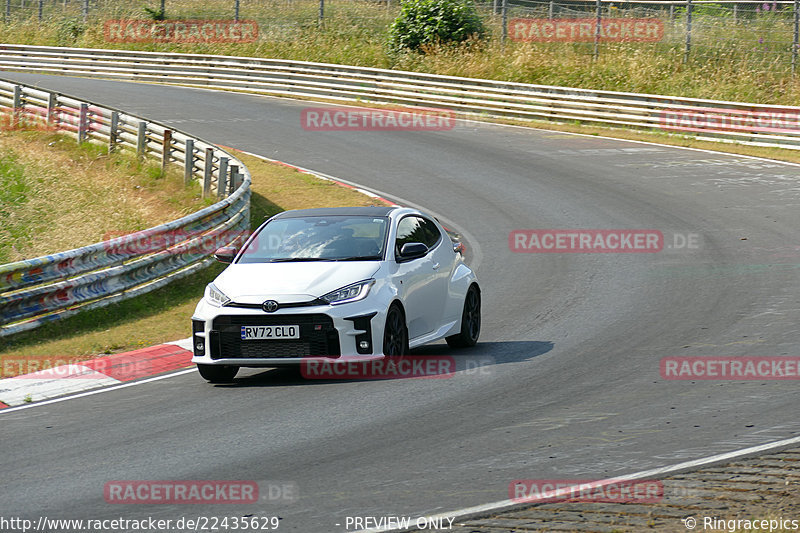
<point x="470" y="321"/>
<point x="218" y="373"/>
<point x="395" y="333"/>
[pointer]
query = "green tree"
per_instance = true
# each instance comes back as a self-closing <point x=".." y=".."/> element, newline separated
<point x="430" y="22"/>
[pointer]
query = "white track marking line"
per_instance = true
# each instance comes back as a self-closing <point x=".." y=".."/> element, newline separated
<point x="98" y="391"/>
<point x="654" y="473"/>
<point x="52" y="383"/>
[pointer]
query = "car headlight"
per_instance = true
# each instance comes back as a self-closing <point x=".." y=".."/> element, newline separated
<point x="350" y="293"/>
<point x="215" y="297"/>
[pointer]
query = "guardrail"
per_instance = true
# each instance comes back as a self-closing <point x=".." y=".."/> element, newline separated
<point x="746" y="123"/>
<point x="35" y="291"/>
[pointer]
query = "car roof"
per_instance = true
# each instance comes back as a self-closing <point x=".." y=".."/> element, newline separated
<point x="371" y="211"/>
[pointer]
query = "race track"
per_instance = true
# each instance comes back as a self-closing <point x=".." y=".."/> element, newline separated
<point x="575" y="340"/>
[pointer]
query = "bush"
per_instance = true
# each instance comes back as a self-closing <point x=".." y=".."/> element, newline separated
<point x="432" y="22"/>
<point x="69" y="31"/>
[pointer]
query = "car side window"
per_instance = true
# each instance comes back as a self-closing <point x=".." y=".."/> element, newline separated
<point x="416" y="229"/>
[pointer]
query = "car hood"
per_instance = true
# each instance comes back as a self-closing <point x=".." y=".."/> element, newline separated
<point x="290" y="282"/>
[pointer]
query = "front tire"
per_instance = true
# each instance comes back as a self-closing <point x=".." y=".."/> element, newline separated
<point x="470" y="321"/>
<point x="395" y="333"/>
<point x="218" y="373"/>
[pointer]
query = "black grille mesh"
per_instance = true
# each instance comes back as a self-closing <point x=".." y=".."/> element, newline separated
<point x="318" y="337"/>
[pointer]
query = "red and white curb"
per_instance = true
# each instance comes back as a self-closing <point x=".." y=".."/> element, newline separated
<point x="100" y="372"/>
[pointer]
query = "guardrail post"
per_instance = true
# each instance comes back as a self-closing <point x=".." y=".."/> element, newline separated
<point x="112" y="133"/>
<point x="688" y="30"/>
<point x="599" y="15"/>
<point x="222" y="179"/>
<point x="188" y="162"/>
<point x="85" y="10"/>
<point x="16" y="106"/>
<point x="551" y="9"/>
<point x="504" y="13"/>
<point x="736" y="13"/>
<point x="672" y="14"/>
<point x="209" y="168"/>
<point x="141" y="139"/>
<point x="52" y="110"/>
<point x="236" y="11"/>
<point x="7" y="15"/>
<point x="166" y="150"/>
<point x="321" y="12"/>
<point x="795" y="42"/>
<point x="41" y="8"/>
<point x="233" y="179"/>
<point x="83" y="123"/>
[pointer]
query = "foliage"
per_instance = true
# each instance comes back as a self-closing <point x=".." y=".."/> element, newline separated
<point x="424" y="23"/>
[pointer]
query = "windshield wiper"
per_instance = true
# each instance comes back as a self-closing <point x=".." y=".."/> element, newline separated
<point x="298" y="259"/>
<point x="360" y="258"/>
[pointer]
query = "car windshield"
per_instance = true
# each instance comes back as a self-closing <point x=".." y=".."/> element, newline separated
<point x="318" y="238"/>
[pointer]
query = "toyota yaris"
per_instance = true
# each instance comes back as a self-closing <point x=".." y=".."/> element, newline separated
<point x="335" y="283"/>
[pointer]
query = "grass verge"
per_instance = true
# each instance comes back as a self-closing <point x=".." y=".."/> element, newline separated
<point x="42" y="173"/>
<point x="163" y="315"/>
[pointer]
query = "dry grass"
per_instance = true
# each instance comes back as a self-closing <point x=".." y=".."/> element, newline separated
<point x="164" y="314"/>
<point x="60" y="196"/>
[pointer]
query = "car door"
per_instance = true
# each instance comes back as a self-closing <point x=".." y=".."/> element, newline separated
<point x="423" y="280"/>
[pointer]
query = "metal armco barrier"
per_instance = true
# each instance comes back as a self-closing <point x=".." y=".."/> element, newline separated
<point x="746" y="123"/>
<point x="35" y="291"/>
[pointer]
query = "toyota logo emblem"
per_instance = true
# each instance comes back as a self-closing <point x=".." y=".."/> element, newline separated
<point x="270" y="306"/>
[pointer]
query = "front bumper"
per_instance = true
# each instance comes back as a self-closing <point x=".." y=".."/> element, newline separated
<point x="344" y="332"/>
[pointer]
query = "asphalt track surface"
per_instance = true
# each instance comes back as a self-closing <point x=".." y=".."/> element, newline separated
<point x="573" y="390"/>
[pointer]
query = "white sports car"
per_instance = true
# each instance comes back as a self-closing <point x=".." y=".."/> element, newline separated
<point x="335" y="283"/>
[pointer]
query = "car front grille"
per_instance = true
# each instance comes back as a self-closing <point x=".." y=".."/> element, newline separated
<point x="318" y="337"/>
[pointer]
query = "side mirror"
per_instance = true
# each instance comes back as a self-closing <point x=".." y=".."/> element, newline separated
<point x="412" y="250"/>
<point x="225" y="254"/>
<point x="458" y="248"/>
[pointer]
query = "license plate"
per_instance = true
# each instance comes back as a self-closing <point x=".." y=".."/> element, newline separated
<point x="270" y="332"/>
